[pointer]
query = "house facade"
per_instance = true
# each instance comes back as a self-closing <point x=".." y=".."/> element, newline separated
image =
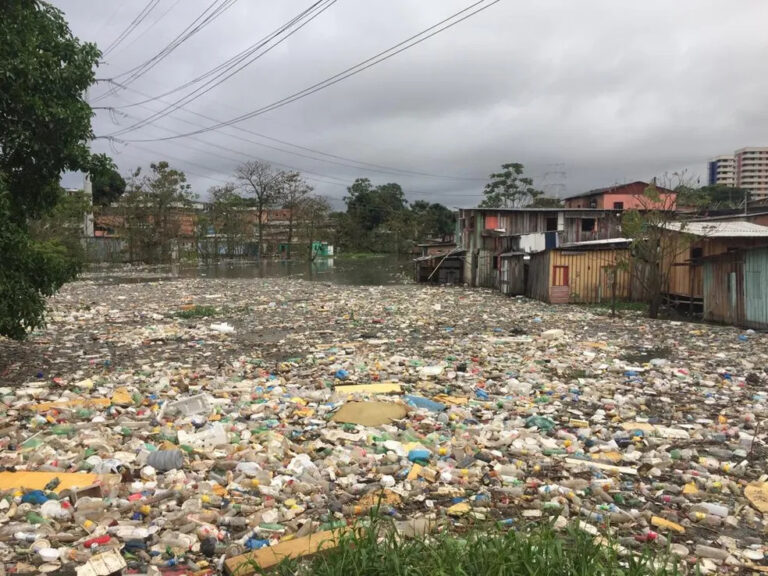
<point x="488" y="233"/>
<point x="623" y="197"/>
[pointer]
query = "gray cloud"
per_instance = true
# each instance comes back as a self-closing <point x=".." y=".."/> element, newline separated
<point x="609" y="90"/>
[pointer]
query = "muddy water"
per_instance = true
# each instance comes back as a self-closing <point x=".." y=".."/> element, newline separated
<point x="369" y="271"/>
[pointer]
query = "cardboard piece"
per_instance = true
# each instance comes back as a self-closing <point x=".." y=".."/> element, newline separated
<point x="68" y="480"/>
<point x="379" y="388"/>
<point x="385" y="497"/>
<point x="72" y="404"/>
<point x="103" y="564"/>
<point x="369" y="413"/>
<point x="643" y="426"/>
<point x="757" y="494"/>
<point x="450" y="400"/>
<point x="268" y="557"/>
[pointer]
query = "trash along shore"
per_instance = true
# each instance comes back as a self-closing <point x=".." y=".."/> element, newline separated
<point x="205" y="426"/>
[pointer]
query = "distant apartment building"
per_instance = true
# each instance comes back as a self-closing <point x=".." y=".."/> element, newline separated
<point x="722" y="170"/>
<point x="752" y="170"/>
<point x="746" y="168"/>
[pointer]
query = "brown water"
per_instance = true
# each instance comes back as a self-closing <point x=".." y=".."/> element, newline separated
<point x="368" y="271"/>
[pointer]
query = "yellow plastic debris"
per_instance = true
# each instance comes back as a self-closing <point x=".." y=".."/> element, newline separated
<point x="665" y="524"/>
<point x="459" y="509"/>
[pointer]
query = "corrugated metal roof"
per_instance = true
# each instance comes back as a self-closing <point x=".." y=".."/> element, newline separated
<point x="721" y="229"/>
<point x="588" y="243"/>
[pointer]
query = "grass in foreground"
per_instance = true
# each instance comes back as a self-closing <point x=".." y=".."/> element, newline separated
<point x="197" y="312"/>
<point x="540" y="552"/>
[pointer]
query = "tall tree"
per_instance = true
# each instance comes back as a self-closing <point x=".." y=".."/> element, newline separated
<point x="432" y="220"/>
<point x="656" y="243"/>
<point x="509" y="188"/>
<point x="46" y="126"/>
<point x="107" y="183"/>
<point x="265" y="183"/>
<point x="154" y="208"/>
<point x="313" y="216"/>
<point x="228" y="217"/>
<point x="295" y="189"/>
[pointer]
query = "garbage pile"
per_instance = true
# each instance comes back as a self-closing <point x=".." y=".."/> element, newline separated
<point x="177" y="427"/>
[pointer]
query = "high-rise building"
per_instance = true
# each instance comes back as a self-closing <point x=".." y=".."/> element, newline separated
<point x="752" y="170"/>
<point x="746" y="168"/>
<point x="722" y="170"/>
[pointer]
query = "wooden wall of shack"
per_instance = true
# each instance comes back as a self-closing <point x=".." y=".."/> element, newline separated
<point x="685" y="276"/>
<point x="539" y="276"/>
<point x="589" y="276"/>
<point x="735" y="288"/>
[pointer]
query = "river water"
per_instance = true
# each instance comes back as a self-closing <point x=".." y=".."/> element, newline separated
<point x="364" y="271"/>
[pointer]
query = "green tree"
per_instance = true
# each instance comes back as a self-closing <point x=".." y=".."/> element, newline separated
<point x="261" y="180"/>
<point x="153" y="210"/>
<point x="313" y="215"/>
<point x="432" y="220"/>
<point x="546" y="202"/>
<point x="717" y="196"/>
<point x="377" y="215"/>
<point x="46" y="126"/>
<point x="509" y="188"/>
<point x="106" y="182"/>
<point x="295" y="190"/>
<point x="656" y="243"/>
<point x="229" y="217"/>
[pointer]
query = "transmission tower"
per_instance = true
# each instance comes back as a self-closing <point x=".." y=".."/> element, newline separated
<point x="554" y="183"/>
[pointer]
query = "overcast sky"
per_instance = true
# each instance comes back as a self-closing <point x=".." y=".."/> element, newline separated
<point x="584" y="93"/>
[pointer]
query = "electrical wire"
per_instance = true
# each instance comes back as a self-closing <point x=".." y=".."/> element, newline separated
<point x="193" y="28"/>
<point x="239" y="57"/>
<point x="131" y="26"/>
<point x="148" y="28"/>
<point x="347" y="162"/>
<point x="351" y="71"/>
<point x="228" y="72"/>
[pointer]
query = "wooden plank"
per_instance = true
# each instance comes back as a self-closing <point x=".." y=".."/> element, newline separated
<point x="268" y="557"/>
<point x="73" y="404"/>
<point x="38" y="480"/>
<point x="378" y="388"/>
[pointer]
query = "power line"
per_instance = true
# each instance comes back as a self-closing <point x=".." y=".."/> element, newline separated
<point x="148" y="28"/>
<point x="325" y="178"/>
<point x="357" y="164"/>
<point x="193" y="28"/>
<point x="131" y="26"/>
<point x="227" y="71"/>
<point x="351" y="71"/>
<point x="224" y="65"/>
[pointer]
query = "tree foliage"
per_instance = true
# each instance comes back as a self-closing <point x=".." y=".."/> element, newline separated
<point x="153" y="209"/>
<point x="655" y="243"/>
<point x="46" y="125"/>
<point x="717" y="196"/>
<point x="509" y="188"/>
<point x="296" y="191"/>
<point x="546" y="202"/>
<point x="433" y="220"/>
<point x="107" y="183"/>
<point x="262" y="181"/>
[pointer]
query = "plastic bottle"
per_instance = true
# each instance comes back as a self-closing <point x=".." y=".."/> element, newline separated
<point x="711" y="508"/>
<point x="165" y="460"/>
<point x="704" y="518"/>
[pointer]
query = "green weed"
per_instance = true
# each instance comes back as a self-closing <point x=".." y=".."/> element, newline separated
<point x="197" y="312"/>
